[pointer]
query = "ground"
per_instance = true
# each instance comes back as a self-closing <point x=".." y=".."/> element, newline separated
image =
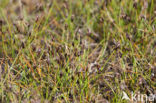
<point x="88" y="51"/>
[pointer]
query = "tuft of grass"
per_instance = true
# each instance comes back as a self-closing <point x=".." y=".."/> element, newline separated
<point x="76" y="50"/>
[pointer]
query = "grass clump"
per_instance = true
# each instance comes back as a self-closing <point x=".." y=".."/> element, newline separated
<point x="76" y="50"/>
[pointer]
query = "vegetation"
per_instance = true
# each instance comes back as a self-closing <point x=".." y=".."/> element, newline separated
<point x="76" y="50"/>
